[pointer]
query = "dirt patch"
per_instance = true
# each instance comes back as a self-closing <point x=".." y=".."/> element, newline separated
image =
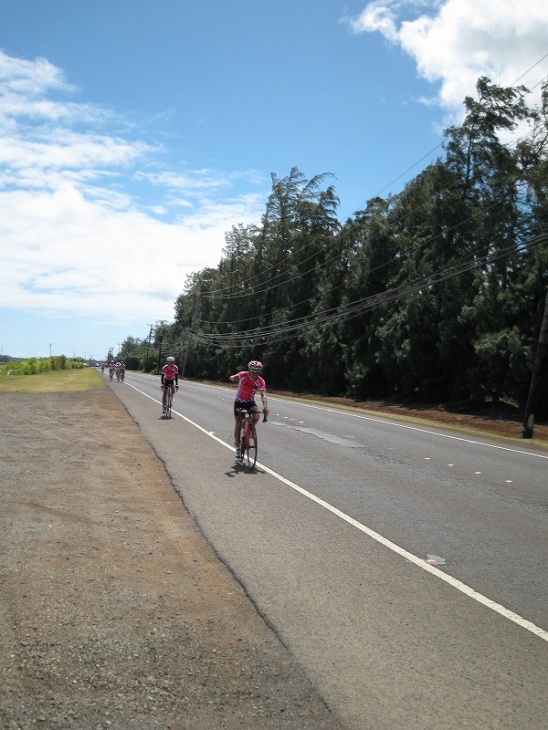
<point x="114" y="612"/>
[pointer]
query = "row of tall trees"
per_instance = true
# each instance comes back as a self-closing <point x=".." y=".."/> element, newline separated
<point x="435" y="293"/>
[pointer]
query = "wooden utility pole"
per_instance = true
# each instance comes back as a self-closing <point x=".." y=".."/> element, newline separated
<point x="541" y="359"/>
<point x="160" y="354"/>
<point x="148" y="347"/>
<point x="190" y="333"/>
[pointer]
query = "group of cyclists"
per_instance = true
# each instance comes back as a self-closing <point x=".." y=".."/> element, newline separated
<point x="115" y="369"/>
<point x="250" y="382"/>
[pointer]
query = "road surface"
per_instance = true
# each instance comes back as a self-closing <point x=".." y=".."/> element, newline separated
<point x="331" y="537"/>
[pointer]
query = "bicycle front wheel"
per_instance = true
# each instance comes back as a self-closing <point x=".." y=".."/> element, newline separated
<point x="169" y="403"/>
<point x="251" y="447"/>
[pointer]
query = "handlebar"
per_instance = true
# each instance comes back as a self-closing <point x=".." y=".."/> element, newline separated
<point x="247" y="414"/>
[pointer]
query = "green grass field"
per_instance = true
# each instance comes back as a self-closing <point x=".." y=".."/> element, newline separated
<point x="52" y="381"/>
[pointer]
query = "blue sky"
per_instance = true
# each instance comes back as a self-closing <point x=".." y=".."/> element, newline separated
<point x="136" y="133"/>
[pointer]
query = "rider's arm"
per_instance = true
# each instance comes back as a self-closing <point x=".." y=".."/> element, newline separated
<point x="233" y="378"/>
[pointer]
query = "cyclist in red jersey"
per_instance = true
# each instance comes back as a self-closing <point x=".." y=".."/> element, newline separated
<point x="170" y="376"/>
<point x="249" y="382"/>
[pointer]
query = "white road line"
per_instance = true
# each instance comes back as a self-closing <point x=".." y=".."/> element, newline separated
<point x="419" y="562"/>
<point x="389" y="422"/>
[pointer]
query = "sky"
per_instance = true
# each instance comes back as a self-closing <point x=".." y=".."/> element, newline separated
<point x="135" y="134"/>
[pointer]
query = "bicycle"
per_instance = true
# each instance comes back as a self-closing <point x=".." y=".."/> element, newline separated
<point x="168" y="402"/>
<point x="248" y="438"/>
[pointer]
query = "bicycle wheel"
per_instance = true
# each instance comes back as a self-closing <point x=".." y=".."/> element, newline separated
<point x="169" y="403"/>
<point x="251" y="447"/>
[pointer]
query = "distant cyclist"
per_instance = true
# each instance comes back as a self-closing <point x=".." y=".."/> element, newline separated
<point x="249" y="382"/>
<point x="170" y="377"/>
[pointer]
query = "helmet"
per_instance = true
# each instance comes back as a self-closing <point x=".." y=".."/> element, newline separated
<point x="170" y="359"/>
<point x="255" y="366"/>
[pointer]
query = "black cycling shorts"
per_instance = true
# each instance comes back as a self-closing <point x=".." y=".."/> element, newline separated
<point x="248" y="405"/>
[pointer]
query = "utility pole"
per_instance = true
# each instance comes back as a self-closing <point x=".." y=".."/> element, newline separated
<point x="192" y="327"/>
<point x="539" y="367"/>
<point x="160" y="353"/>
<point x="148" y="345"/>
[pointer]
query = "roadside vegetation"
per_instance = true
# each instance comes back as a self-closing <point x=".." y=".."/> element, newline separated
<point x="434" y="295"/>
<point x="35" y="365"/>
<point x="29" y="378"/>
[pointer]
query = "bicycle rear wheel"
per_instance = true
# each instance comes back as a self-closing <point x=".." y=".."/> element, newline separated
<point x="251" y="447"/>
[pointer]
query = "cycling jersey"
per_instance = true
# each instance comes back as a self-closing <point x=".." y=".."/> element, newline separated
<point x="247" y="386"/>
<point x="170" y="373"/>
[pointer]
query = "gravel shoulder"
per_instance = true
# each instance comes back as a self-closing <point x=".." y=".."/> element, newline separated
<point x="114" y="611"/>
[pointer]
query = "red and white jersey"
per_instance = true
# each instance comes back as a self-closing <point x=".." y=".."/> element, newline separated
<point x="170" y="372"/>
<point x="247" y="386"/>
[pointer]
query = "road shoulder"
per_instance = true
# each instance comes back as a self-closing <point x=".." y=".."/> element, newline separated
<point x="114" y="610"/>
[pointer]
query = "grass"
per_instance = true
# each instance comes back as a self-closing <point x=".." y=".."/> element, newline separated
<point x="52" y="381"/>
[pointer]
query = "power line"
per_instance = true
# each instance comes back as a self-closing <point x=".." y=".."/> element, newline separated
<point x="263" y="286"/>
<point x="346" y="311"/>
<point x="284" y="328"/>
<point x="369" y="239"/>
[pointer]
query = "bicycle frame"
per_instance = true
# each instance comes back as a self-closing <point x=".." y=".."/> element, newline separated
<point x="170" y="391"/>
<point x="248" y="439"/>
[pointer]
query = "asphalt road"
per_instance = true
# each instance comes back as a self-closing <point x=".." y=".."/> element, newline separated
<point x="330" y="537"/>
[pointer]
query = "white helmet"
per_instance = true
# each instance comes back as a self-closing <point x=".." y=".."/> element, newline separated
<point x="170" y="359"/>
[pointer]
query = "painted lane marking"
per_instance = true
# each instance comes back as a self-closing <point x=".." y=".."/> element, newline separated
<point x="419" y="562"/>
<point x="389" y="422"/>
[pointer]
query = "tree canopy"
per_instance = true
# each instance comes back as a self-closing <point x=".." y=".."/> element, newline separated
<point x="436" y="293"/>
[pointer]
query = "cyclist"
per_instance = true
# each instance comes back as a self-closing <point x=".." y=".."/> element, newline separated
<point x="250" y="381"/>
<point x="170" y="377"/>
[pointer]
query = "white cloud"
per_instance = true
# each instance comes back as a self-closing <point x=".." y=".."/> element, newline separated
<point x="89" y="220"/>
<point x="66" y="254"/>
<point x="30" y="78"/>
<point x="377" y="17"/>
<point x="454" y="42"/>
